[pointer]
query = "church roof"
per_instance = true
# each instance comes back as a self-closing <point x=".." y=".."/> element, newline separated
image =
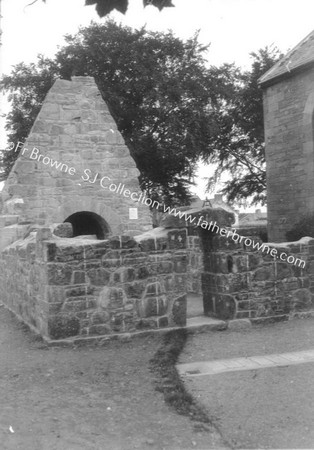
<point x="299" y="58"/>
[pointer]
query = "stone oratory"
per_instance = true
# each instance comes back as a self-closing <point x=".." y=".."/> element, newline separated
<point x="74" y="167"/>
<point x="70" y="266"/>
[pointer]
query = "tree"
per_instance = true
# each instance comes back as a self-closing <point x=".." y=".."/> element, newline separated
<point x="237" y="146"/>
<point x="158" y="90"/>
<point x="27" y="86"/>
<point x="104" y="7"/>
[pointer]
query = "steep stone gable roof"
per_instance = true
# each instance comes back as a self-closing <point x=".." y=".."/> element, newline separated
<point x="297" y="59"/>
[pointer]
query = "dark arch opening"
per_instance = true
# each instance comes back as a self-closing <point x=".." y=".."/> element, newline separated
<point x="86" y="222"/>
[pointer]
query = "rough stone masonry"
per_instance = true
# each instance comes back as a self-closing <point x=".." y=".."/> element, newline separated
<point x="289" y="132"/>
<point x="69" y="266"/>
<point x="74" y="127"/>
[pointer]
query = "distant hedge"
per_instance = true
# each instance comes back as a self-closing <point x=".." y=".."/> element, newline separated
<point x="305" y="227"/>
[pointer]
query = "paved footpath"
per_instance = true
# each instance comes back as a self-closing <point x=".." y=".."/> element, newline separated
<point x="250" y="363"/>
<point x="258" y="385"/>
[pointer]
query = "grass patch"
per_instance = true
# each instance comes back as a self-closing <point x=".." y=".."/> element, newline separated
<point x="169" y="382"/>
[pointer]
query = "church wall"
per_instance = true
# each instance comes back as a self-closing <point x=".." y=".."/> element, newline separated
<point x="288" y="116"/>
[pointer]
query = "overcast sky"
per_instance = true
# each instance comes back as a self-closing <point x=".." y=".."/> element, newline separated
<point x="234" y="28"/>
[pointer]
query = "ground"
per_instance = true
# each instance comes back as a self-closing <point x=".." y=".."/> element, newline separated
<point x="89" y="398"/>
<point x="95" y="398"/>
<point x="271" y="408"/>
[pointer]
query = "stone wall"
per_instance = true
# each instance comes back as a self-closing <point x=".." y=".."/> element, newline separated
<point x="195" y="265"/>
<point x="239" y="282"/>
<point x="66" y="287"/>
<point x="288" y="112"/>
<point x="77" y="287"/>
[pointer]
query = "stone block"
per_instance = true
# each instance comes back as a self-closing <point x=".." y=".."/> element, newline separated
<point x="148" y="323"/>
<point x="51" y="250"/>
<point x="244" y="305"/>
<point x="224" y="307"/>
<point x="112" y="259"/>
<point x="98" y="277"/>
<point x="178" y="312"/>
<point x="135" y="289"/>
<point x="148" y="245"/>
<point x="177" y="239"/>
<point x="112" y="298"/>
<point x="283" y="270"/>
<point x="63" y="326"/>
<point x="59" y="274"/>
<point x="153" y="289"/>
<point x="50" y="309"/>
<point x="70" y="253"/>
<point x="128" y="242"/>
<point x="132" y="259"/>
<point x="124" y="275"/>
<point x="162" y="243"/>
<point x="180" y="262"/>
<point x="100" y="317"/>
<point x="99" y="330"/>
<point x="170" y="284"/>
<point x="221" y="243"/>
<point x="163" y="322"/>
<point x="153" y="306"/>
<point x="143" y="272"/>
<point x="264" y="273"/>
<point x="301" y="300"/>
<point x="96" y="251"/>
<point x="178" y="283"/>
<point x="78" y="277"/>
<point x="115" y="242"/>
<point x="77" y="291"/>
<point x="63" y="230"/>
<point x="168" y="267"/>
<point x="74" y="304"/>
<point x="43" y="234"/>
<point x="117" y="322"/>
<point x="303" y="282"/>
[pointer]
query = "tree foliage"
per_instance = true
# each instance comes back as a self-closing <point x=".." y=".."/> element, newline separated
<point x="171" y="108"/>
<point x="104" y="7"/>
<point x="158" y="90"/>
<point x="27" y="86"/>
<point x="303" y="228"/>
<point x="237" y="146"/>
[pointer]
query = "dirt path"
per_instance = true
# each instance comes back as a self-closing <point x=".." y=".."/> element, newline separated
<point x="85" y="398"/>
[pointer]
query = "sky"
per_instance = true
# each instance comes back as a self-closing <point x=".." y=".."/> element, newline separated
<point x="233" y="28"/>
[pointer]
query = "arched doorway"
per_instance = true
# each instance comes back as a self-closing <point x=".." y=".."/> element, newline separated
<point x="86" y="222"/>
